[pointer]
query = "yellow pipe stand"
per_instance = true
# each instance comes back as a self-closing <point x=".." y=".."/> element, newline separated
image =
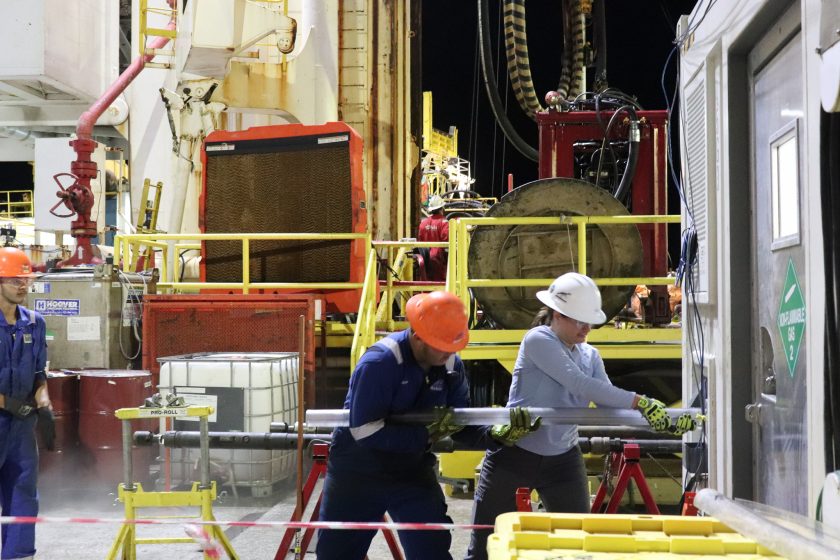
<point x="201" y="495"/>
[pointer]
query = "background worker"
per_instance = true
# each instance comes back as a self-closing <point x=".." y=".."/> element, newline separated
<point x="555" y="368"/>
<point x="376" y="466"/>
<point x="435" y="227"/>
<point x="23" y="400"/>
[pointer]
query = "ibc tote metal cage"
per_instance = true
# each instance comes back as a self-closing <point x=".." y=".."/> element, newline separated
<point x="248" y="391"/>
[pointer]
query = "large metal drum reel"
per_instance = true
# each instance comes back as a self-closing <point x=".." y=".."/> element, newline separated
<point x="509" y="252"/>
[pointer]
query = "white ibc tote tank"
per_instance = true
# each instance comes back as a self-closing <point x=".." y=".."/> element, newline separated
<point x="267" y="392"/>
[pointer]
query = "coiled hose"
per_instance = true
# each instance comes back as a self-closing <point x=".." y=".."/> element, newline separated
<point x="492" y="87"/>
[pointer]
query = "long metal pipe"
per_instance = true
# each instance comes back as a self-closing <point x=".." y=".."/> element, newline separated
<point x="226" y="440"/>
<point x="79" y="196"/>
<point x="765" y="531"/>
<point x="490" y="416"/>
<point x="262" y="440"/>
<point x="84" y="128"/>
<point x="623" y="432"/>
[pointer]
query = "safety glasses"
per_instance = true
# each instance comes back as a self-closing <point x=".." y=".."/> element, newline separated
<point x="579" y="324"/>
<point x="17" y="282"/>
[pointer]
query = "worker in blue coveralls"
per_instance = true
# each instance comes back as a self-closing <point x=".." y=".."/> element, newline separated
<point x="376" y="466"/>
<point x="555" y="368"/>
<point x="24" y="400"/>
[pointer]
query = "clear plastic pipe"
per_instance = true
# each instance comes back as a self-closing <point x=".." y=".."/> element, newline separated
<point x="804" y="543"/>
<point x="496" y="415"/>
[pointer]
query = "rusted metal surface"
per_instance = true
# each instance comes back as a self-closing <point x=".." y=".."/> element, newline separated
<point x="500" y="252"/>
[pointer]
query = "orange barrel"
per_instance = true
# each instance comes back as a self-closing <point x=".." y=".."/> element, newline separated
<point x="101" y="392"/>
<point x="64" y="394"/>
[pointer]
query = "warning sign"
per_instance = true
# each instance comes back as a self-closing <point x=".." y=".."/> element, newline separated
<point x="791" y="319"/>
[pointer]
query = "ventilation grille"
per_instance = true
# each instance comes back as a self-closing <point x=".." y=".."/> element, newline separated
<point x="283" y="185"/>
<point x="696" y="165"/>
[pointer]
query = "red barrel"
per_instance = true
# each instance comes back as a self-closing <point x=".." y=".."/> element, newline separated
<point x="101" y="392"/>
<point x="63" y="388"/>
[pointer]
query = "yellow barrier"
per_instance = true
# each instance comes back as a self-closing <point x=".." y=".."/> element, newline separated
<point x="364" y="334"/>
<point x="22" y="208"/>
<point x="502" y="345"/>
<point x="123" y="256"/>
<point x="458" y="279"/>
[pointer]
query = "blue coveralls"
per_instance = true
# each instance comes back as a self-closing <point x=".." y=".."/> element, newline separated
<point x="375" y="466"/>
<point x="23" y="357"/>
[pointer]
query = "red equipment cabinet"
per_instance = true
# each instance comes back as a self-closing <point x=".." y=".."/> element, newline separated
<point x="289" y="178"/>
<point x="561" y="131"/>
<point x="187" y="324"/>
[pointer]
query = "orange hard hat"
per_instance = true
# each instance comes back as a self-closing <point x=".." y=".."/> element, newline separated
<point x="14" y="264"/>
<point x="439" y="319"/>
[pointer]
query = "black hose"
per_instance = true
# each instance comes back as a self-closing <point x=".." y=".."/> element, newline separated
<point x="830" y="201"/>
<point x="606" y="141"/>
<point x="632" y="160"/>
<point x="519" y="63"/>
<point x="493" y="89"/>
<point x="600" y="31"/>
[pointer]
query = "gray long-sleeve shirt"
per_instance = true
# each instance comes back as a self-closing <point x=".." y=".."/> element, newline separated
<point x="549" y="374"/>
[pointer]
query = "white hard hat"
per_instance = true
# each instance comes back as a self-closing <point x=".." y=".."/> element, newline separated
<point x="576" y="296"/>
<point x="435" y="202"/>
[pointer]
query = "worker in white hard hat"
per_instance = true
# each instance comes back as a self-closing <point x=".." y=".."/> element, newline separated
<point x="555" y="368"/>
<point x="435" y="228"/>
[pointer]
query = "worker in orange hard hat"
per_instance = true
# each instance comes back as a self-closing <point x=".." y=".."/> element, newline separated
<point x="376" y="466"/>
<point x="24" y="401"/>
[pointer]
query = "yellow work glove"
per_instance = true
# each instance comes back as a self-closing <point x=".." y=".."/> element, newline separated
<point x="443" y="425"/>
<point x="684" y="423"/>
<point x="655" y="414"/>
<point x="519" y="427"/>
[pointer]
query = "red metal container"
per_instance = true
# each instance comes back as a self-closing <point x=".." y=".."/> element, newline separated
<point x="101" y="392"/>
<point x="64" y="394"/>
<point x="560" y="131"/>
<point x="177" y="324"/>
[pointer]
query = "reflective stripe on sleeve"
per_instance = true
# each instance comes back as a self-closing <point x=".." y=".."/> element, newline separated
<point x="367" y="430"/>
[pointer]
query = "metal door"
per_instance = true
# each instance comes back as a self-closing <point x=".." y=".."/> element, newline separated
<point x="778" y="301"/>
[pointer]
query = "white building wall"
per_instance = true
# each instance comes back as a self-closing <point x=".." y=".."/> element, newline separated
<point x="724" y="31"/>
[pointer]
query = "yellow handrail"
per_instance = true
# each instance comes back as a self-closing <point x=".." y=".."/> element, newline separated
<point x="459" y="282"/>
<point x="164" y="241"/>
<point x="364" y="335"/>
<point x="16" y="208"/>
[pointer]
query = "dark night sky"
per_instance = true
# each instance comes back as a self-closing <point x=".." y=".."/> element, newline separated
<point x="639" y="39"/>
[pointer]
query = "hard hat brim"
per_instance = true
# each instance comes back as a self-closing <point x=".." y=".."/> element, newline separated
<point x="598" y="318"/>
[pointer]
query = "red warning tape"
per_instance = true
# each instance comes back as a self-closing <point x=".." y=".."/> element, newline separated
<point x="343" y="525"/>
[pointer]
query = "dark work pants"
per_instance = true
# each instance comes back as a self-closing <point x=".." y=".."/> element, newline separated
<point x="18" y="483"/>
<point x="559" y="479"/>
<point x="407" y="498"/>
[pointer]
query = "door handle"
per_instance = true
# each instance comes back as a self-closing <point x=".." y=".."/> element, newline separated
<point x="752" y="412"/>
<point x="770" y="382"/>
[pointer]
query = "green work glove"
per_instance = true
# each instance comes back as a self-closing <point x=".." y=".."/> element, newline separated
<point x="684" y="423"/>
<point x="443" y="425"/>
<point x="519" y="427"/>
<point x="655" y="414"/>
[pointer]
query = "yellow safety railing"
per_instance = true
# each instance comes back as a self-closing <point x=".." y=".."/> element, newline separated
<point x="22" y="208"/>
<point x="400" y="269"/>
<point x="364" y="335"/>
<point x="168" y="244"/>
<point x="459" y="282"/>
<point x="502" y="345"/>
<point x="145" y="31"/>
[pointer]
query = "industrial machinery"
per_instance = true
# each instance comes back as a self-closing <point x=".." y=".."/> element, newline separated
<point x="93" y="315"/>
<point x="290" y="178"/>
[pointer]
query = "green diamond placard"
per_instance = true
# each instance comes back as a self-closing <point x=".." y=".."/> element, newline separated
<point x="791" y="318"/>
